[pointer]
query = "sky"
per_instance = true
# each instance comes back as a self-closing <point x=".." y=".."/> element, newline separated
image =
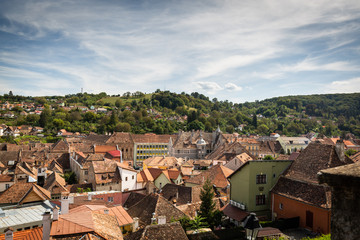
<point x="233" y="50"/>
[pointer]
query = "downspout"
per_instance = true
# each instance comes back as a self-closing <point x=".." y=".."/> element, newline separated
<point x="272" y="207"/>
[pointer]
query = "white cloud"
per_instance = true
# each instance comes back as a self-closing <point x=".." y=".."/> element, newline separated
<point x="344" y="86"/>
<point x="210" y="87"/>
<point x="232" y="87"/>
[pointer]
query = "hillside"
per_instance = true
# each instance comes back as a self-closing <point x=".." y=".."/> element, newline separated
<point x="167" y="112"/>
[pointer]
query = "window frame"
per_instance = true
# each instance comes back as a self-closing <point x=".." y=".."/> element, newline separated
<point x="261" y="179"/>
<point x="260" y="200"/>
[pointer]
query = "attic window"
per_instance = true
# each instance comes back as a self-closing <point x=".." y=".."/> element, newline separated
<point x="291" y="142"/>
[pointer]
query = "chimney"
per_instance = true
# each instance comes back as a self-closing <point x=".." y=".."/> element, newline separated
<point x="162" y="220"/>
<point x="177" y="195"/>
<point x="46" y="225"/>
<point x="9" y="233"/>
<point x="106" y="211"/>
<point x="89" y="197"/>
<point x="153" y="219"/>
<point x="339" y="148"/>
<point x="135" y="224"/>
<point x="56" y="213"/>
<point x="64" y="205"/>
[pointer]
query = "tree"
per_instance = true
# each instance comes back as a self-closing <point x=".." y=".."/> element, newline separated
<point x="118" y="103"/>
<point x="254" y="120"/>
<point x="207" y="206"/>
<point x="70" y="177"/>
<point x="44" y="117"/>
<point x="196" y="125"/>
<point x="197" y="223"/>
<point x="268" y="157"/>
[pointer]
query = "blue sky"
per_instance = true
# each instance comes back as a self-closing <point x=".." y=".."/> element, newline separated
<point x="236" y="50"/>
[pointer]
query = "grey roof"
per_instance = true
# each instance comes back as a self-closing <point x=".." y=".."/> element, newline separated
<point x="29" y="215"/>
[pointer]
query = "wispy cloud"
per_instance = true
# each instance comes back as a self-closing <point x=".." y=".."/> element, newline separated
<point x="232" y="87"/>
<point x="176" y="44"/>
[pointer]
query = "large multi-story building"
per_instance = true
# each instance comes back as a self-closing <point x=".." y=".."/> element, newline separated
<point x="150" y="145"/>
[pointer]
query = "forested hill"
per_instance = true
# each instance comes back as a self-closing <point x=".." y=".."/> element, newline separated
<point x="167" y="112"/>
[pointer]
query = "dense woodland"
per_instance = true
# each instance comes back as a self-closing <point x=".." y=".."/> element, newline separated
<point x="164" y="112"/>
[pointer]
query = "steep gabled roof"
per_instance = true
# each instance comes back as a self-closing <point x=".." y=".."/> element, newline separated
<point x="312" y="159"/>
<point x="217" y="175"/>
<point x="18" y="193"/>
<point x="55" y="183"/>
<point x="314" y="194"/>
<point x="94" y="138"/>
<point x="154" y="203"/>
<point x="181" y="194"/>
<point x="120" y="138"/>
<point x="237" y="161"/>
<point x="133" y="198"/>
<point x="228" y="151"/>
<point x="60" y="145"/>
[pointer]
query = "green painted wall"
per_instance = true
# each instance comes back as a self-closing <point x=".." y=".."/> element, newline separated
<point x="161" y="179"/>
<point x="243" y="186"/>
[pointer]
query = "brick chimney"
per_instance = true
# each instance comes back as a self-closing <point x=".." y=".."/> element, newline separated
<point x="46" y="224"/>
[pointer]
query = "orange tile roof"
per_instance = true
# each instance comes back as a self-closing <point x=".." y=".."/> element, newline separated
<point x="30" y="234"/>
<point x="72" y="224"/>
<point x="348" y="143"/>
<point x="104" y="148"/>
<point x="173" y="173"/>
<point x="6" y="178"/>
<point x="92" y="218"/>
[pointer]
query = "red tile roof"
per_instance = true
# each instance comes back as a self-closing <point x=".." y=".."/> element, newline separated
<point x="30" y="234"/>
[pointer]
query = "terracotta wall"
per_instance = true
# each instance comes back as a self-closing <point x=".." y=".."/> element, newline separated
<point x="117" y="197"/>
<point x="292" y="208"/>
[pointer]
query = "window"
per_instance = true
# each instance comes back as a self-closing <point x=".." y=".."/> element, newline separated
<point x="261" y="179"/>
<point x="133" y="177"/>
<point x="281" y="206"/>
<point x="86" y="172"/>
<point x="125" y="178"/>
<point x="260" y="200"/>
<point x="7" y="185"/>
